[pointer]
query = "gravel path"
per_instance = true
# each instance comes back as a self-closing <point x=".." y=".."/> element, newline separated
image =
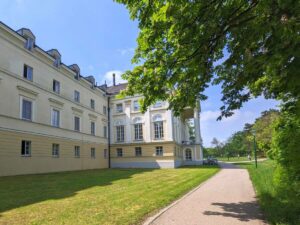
<point x="228" y="198"/>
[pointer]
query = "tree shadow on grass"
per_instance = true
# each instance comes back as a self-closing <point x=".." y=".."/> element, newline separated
<point x="18" y="191"/>
<point x="243" y="211"/>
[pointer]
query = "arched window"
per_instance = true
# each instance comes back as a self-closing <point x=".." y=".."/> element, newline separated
<point x="157" y="118"/>
<point x="137" y="120"/>
<point x="158" y="127"/>
<point x="138" y="128"/>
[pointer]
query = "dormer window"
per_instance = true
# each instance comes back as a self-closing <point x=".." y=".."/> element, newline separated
<point x="75" y="69"/>
<point x="29" y="44"/>
<point x="56" y="55"/>
<point x="57" y="62"/>
<point x="29" y="36"/>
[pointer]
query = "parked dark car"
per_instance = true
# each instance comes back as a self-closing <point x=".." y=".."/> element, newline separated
<point x="210" y="161"/>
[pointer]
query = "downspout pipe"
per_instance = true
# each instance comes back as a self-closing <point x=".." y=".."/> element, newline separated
<point x="108" y="130"/>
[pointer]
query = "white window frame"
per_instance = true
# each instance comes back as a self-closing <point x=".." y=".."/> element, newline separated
<point x="51" y="122"/>
<point x="76" y="96"/>
<point x="25" y="65"/>
<point x="158" y="130"/>
<point x="159" y="151"/>
<point x="55" y="150"/>
<point x="77" y="151"/>
<point x="138" y="131"/>
<point x="119" y="110"/>
<point x="27" y="153"/>
<point x="120" y="133"/>
<point x="29" y="44"/>
<point x="136" y="105"/>
<point x="92" y="103"/>
<point x="56" y="84"/>
<point x="75" y="123"/>
<point x="32" y="108"/>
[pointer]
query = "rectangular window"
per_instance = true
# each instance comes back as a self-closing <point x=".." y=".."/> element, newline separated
<point x="138" y="151"/>
<point x="93" y="128"/>
<point x="119" y="108"/>
<point x="158" y="130"/>
<point x="119" y="152"/>
<point x="159" y="151"/>
<point x="92" y="103"/>
<point x="55" y="117"/>
<point x="26" y="109"/>
<point x="136" y="105"/>
<point x="105" y="153"/>
<point x="93" y="153"/>
<point x="104" y="110"/>
<point x="56" y="86"/>
<point x="76" y="96"/>
<point x="105" y="131"/>
<point x="138" y="131"/>
<point x="26" y="148"/>
<point x="158" y="104"/>
<point x="76" y="123"/>
<point x="28" y="72"/>
<point x="77" y="151"/>
<point x="55" y="150"/>
<point x="120" y="133"/>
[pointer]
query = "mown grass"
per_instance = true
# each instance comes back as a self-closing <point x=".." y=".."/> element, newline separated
<point x="276" y="207"/>
<point x="108" y="196"/>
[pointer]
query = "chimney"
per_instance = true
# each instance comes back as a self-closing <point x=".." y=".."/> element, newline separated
<point x="114" y="79"/>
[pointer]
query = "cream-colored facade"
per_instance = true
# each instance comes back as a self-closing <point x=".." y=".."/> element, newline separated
<point x="39" y="131"/>
<point x="174" y="139"/>
<point x="53" y="119"/>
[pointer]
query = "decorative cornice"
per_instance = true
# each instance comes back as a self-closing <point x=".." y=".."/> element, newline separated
<point x="56" y="101"/>
<point x="92" y="116"/>
<point x="77" y="110"/>
<point x="21" y="88"/>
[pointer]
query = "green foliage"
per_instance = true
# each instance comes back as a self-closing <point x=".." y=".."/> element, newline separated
<point x="278" y="207"/>
<point x="286" y="151"/>
<point x="181" y="48"/>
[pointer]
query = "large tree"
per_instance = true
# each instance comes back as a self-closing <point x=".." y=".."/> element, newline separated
<point x="250" y="47"/>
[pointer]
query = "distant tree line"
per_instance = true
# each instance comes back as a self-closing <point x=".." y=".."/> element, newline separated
<point x="241" y="143"/>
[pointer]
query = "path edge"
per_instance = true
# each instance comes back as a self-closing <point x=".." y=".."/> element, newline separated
<point x="151" y="219"/>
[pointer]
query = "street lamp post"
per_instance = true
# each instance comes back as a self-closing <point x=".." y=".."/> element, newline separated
<point x="254" y="145"/>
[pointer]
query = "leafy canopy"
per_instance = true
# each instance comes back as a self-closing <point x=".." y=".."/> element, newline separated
<point x="249" y="47"/>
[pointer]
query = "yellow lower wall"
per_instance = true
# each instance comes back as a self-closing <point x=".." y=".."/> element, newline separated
<point x="41" y="160"/>
<point x="148" y="158"/>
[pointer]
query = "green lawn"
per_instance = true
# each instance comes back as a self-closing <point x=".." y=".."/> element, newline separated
<point x="108" y="196"/>
<point x="276" y="209"/>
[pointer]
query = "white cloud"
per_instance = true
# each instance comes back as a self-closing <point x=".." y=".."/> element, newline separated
<point x="126" y="51"/>
<point x="209" y="115"/>
<point x="108" y="77"/>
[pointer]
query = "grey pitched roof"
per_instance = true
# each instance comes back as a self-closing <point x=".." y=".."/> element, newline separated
<point x="116" y="89"/>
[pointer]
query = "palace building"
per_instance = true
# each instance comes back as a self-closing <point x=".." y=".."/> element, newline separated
<point x="52" y="118"/>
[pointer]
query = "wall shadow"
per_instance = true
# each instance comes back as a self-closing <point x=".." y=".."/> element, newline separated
<point x="22" y="190"/>
<point x="243" y="211"/>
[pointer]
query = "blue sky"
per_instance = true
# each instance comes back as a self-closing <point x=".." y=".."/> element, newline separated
<point x="99" y="36"/>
